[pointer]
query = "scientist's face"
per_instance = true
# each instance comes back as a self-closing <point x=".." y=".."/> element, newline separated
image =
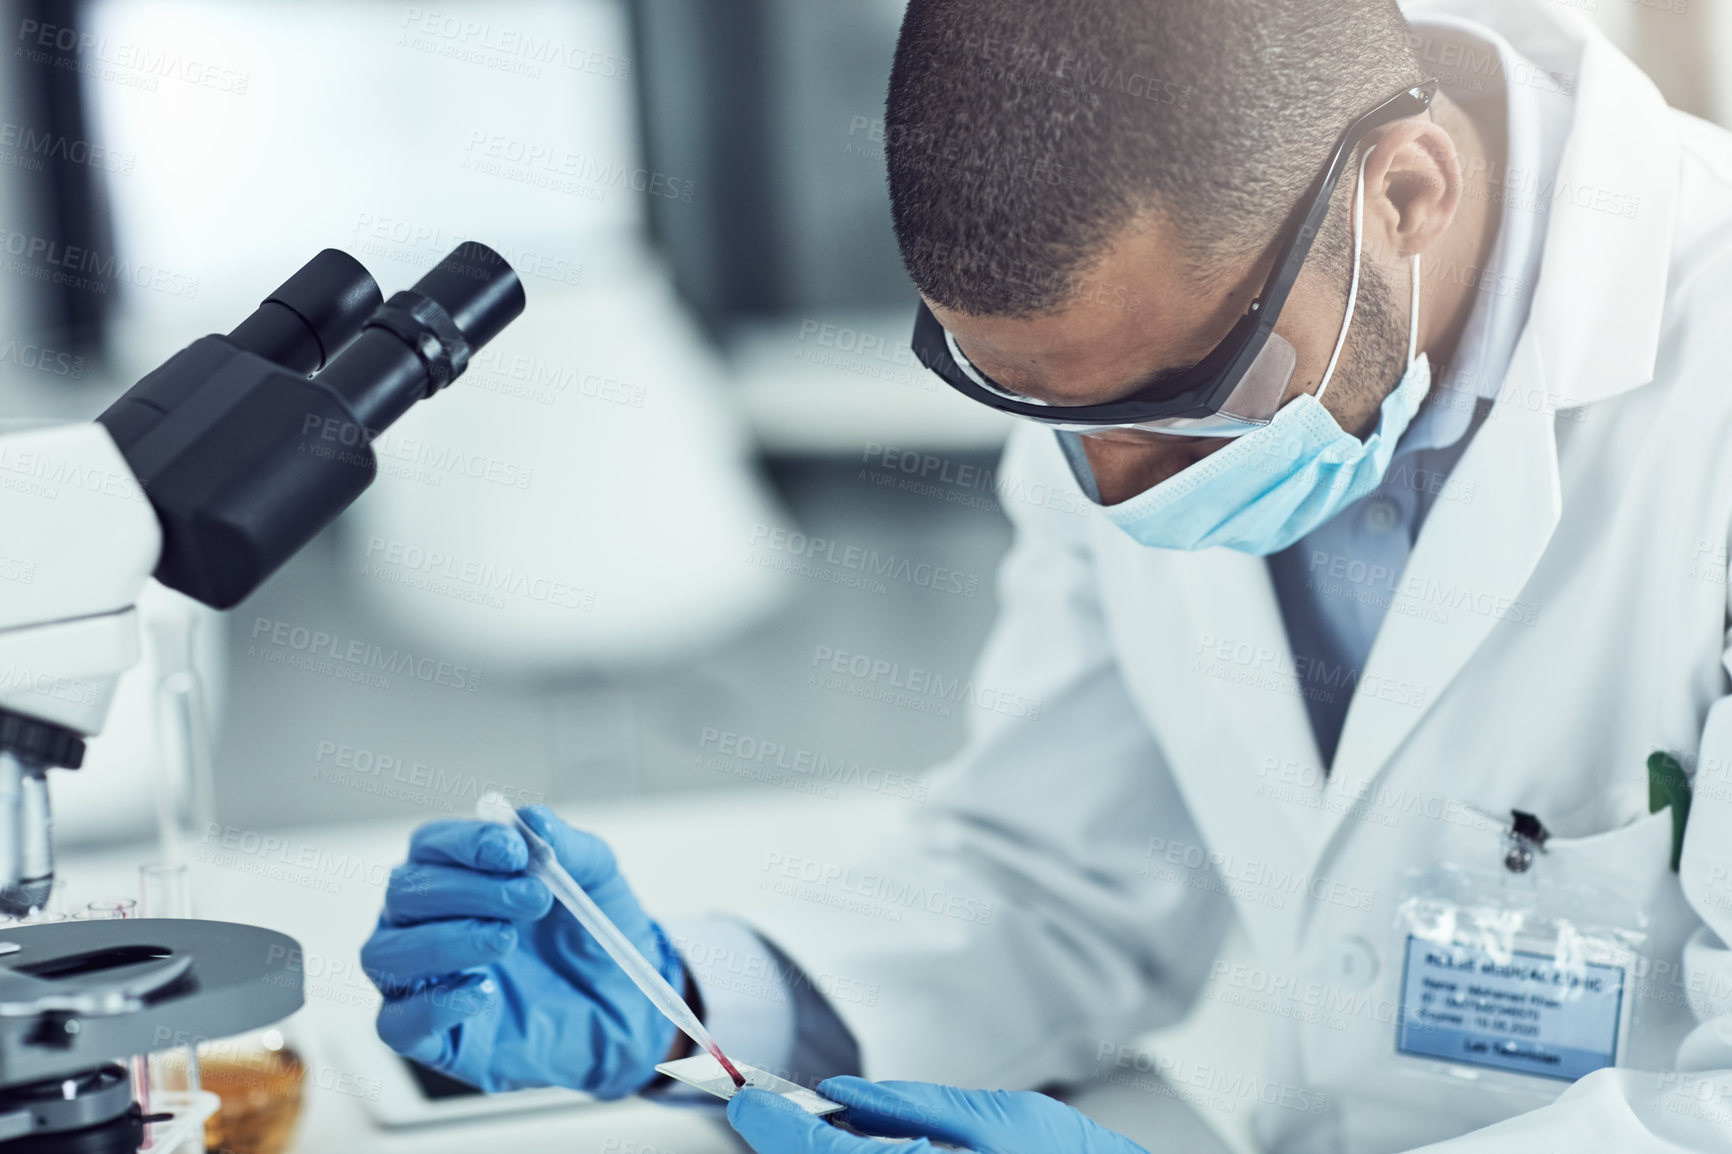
<point x="1131" y="316"/>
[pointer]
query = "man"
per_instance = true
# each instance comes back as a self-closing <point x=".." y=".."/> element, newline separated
<point x="1391" y="360"/>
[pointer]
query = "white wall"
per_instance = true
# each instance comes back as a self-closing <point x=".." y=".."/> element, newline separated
<point x="263" y="131"/>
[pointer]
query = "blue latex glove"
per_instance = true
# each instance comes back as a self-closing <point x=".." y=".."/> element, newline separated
<point x="987" y="1121"/>
<point x="489" y="981"/>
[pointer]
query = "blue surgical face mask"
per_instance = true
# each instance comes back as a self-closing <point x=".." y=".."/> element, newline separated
<point x="1271" y="488"/>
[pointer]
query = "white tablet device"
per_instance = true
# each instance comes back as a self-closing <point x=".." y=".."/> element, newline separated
<point x="401" y="1093"/>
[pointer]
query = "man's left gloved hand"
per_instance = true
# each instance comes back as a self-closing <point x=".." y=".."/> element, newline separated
<point x="986" y="1121"/>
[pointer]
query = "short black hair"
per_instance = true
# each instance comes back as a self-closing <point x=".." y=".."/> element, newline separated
<point x="1023" y="135"/>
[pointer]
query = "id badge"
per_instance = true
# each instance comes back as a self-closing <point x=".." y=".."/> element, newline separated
<point x="1513" y="983"/>
<point x="1523" y="1011"/>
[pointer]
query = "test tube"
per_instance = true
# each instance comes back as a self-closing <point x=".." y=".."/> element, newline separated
<point x="165" y="890"/>
<point x="185" y="772"/>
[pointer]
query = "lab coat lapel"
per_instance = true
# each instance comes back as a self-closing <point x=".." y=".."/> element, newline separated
<point x="1601" y="299"/>
<point x="1464" y="581"/>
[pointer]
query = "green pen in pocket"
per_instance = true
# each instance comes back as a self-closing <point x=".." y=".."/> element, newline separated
<point x="1669" y="785"/>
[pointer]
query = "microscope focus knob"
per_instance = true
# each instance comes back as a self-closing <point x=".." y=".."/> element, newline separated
<point x="40" y="743"/>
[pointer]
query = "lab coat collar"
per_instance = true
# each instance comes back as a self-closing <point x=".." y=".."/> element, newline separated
<point x="1597" y="306"/>
<point x="1536" y="127"/>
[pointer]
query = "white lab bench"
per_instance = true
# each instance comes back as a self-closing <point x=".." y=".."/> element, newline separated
<point x="323" y="886"/>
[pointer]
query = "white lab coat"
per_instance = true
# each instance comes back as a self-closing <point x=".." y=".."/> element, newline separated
<point x="1567" y="616"/>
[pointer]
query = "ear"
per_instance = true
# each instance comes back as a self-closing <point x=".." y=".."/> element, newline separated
<point x="1413" y="189"/>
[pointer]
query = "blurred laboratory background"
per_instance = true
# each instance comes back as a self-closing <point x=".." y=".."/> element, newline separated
<point x="697" y="522"/>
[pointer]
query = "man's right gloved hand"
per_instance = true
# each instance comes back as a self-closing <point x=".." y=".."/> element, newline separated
<point x="488" y="980"/>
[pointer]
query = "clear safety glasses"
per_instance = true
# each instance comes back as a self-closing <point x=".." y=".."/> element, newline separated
<point x="1239" y="386"/>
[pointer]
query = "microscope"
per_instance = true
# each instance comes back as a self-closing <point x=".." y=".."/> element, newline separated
<point x="209" y="474"/>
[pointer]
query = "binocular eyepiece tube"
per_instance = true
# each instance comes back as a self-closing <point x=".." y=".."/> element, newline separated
<point x="421" y="340"/>
<point x="459" y="306"/>
<point x="313" y="314"/>
<point x="225" y="437"/>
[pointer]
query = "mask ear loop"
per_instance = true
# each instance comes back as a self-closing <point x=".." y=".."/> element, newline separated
<point x="1352" y="288"/>
<point x="1413" y="318"/>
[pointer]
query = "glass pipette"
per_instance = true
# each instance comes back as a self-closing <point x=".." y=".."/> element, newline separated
<point x="545" y="867"/>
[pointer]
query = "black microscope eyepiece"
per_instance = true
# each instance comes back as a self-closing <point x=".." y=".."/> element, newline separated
<point x="477" y="288"/>
<point x="421" y="340"/>
<point x="313" y="314"/>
